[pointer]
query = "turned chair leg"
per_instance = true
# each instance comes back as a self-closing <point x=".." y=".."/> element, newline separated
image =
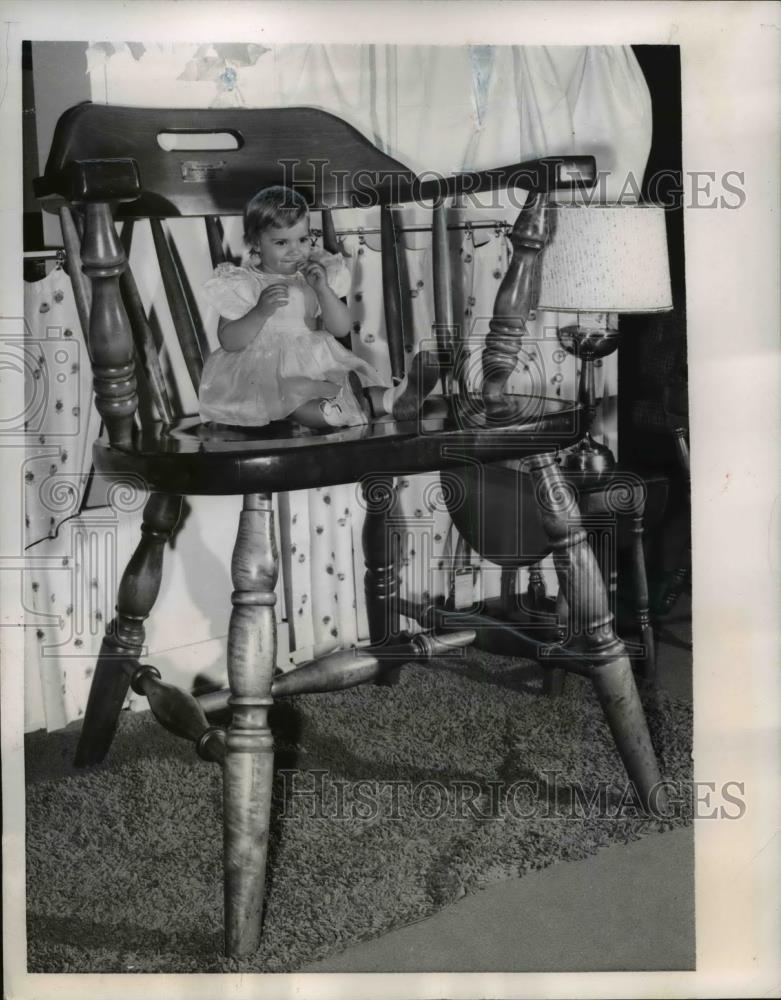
<point x="591" y="620"/>
<point x="381" y="548"/>
<point x="640" y="595"/>
<point x="624" y="499"/>
<point x="554" y="678"/>
<point x="249" y="758"/>
<point x="124" y="638"/>
<point x="682" y="574"/>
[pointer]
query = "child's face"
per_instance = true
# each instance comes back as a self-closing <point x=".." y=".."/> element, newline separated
<point x="283" y="250"/>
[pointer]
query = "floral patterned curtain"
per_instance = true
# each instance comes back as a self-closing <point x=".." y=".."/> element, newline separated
<point x="434" y="108"/>
<point x="65" y="605"/>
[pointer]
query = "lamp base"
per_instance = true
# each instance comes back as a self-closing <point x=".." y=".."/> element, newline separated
<point x="588" y="459"/>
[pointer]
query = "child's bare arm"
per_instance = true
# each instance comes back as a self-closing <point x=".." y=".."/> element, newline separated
<point x="336" y="316"/>
<point x="236" y="334"/>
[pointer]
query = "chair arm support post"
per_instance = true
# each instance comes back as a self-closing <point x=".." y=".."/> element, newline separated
<point x="514" y="299"/>
<point x="109" y="337"/>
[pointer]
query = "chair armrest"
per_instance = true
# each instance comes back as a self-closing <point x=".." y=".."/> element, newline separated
<point x="110" y="180"/>
<point x="549" y="174"/>
<point x="552" y="173"/>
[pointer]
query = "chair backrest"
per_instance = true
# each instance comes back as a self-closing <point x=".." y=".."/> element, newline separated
<point x="323" y="157"/>
<point x="128" y="164"/>
<point x="211" y="161"/>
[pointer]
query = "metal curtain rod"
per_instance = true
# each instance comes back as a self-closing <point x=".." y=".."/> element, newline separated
<point x="58" y="254"/>
<point x="465" y="226"/>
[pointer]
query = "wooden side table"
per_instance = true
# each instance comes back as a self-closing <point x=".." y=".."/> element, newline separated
<point x="616" y="511"/>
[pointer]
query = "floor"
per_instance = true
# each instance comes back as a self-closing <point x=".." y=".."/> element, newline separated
<point x="630" y="907"/>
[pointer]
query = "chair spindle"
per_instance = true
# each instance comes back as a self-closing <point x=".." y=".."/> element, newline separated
<point x="214" y="236"/>
<point x="82" y="293"/>
<point x="142" y="334"/>
<point x="331" y="245"/>
<point x="443" y="301"/>
<point x="177" y="303"/>
<point x="177" y="711"/>
<point x="391" y="293"/>
<point x="330" y="242"/>
<point x="78" y="220"/>
<point x="346" y="668"/>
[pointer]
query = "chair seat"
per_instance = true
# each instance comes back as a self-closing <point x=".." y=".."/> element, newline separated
<point x="191" y="457"/>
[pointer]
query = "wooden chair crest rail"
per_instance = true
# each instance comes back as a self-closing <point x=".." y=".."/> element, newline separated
<point x="111" y="164"/>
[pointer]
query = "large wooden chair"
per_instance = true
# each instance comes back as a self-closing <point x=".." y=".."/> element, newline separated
<point x="106" y="165"/>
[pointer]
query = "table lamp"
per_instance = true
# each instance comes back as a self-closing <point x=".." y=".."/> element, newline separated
<point x="599" y="261"/>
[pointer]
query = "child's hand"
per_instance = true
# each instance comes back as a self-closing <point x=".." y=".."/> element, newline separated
<point x="315" y="275"/>
<point x="272" y="298"/>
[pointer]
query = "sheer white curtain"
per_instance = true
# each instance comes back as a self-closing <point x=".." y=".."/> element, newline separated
<point x="434" y="108"/>
<point x="442" y="108"/>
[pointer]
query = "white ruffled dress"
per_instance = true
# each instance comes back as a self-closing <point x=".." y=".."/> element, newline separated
<point x="289" y="362"/>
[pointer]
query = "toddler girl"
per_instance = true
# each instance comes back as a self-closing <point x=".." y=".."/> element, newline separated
<point x="279" y="316"/>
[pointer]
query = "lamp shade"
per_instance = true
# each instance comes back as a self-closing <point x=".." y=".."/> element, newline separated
<point x="606" y="259"/>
